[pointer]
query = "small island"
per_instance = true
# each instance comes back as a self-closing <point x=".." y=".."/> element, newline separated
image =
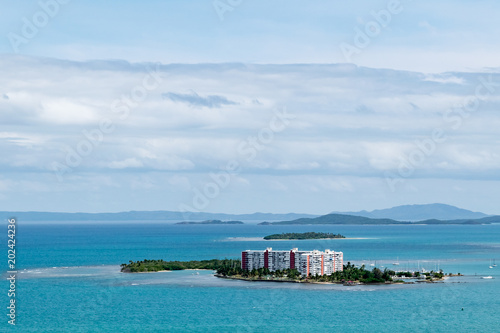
<point x="350" y="275"/>
<point x="212" y="222"/>
<point x="231" y="269"/>
<point x="304" y="235"/>
<point x="146" y="265"/>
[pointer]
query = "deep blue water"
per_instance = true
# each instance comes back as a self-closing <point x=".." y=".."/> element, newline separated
<point x="69" y="281"/>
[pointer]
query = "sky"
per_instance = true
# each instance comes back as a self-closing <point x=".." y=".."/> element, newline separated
<point x="244" y="106"/>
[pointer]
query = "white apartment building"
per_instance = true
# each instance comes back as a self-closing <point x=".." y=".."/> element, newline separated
<point x="306" y="262"/>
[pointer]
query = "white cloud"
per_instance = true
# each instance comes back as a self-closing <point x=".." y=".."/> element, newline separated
<point x="182" y="144"/>
<point x="128" y="163"/>
<point x="63" y="111"/>
<point x="445" y="79"/>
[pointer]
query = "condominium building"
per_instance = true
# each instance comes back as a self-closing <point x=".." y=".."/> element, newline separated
<point x="306" y="262"/>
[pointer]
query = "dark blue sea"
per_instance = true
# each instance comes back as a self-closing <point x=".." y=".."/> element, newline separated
<point x="69" y="280"/>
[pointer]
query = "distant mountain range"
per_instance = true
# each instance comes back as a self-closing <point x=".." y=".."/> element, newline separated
<point x="212" y="222"/>
<point x="419" y="212"/>
<point x="168" y="216"/>
<point x="427" y="213"/>
<point x="358" y="220"/>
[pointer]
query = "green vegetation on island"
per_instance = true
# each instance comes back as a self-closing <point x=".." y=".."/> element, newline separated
<point x="336" y="219"/>
<point x="160" y="265"/>
<point x="358" y="220"/>
<point x="304" y="235"/>
<point x="212" y="222"/>
<point x="231" y="268"/>
<point x="350" y="274"/>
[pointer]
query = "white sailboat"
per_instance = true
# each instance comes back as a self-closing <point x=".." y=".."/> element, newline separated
<point x="487" y="277"/>
<point x="491" y="265"/>
<point x="397" y="262"/>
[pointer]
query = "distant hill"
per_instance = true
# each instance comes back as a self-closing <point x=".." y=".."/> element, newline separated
<point x="337" y="219"/>
<point x="353" y="220"/>
<point x="212" y="222"/>
<point x="486" y="220"/>
<point x="148" y="216"/>
<point x="419" y="213"/>
<point x="429" y="214"/>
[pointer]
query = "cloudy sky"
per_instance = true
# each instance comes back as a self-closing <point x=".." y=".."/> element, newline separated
<point x="245" y="106"/>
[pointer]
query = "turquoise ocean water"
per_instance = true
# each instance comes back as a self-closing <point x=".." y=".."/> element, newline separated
<point x="69" y="281"/>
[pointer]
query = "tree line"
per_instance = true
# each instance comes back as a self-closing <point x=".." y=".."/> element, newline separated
<point x="161" y="265"/>
<point x="304" y="235"/>
<point x="232" y="267"/>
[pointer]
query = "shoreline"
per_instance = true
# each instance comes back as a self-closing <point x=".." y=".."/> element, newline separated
<point x="169" y="270"/>
<point x="314" y="239"/>
<point x="351" y="283"/>
<point x="348" y="283"/>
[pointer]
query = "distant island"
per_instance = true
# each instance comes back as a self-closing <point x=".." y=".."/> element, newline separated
<point x="358" y="220"/>
<point x="424" y="214"/>
<point x="213" y="222"/>
<point x="304" y="235"/>
<point x="419" y="213"/>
